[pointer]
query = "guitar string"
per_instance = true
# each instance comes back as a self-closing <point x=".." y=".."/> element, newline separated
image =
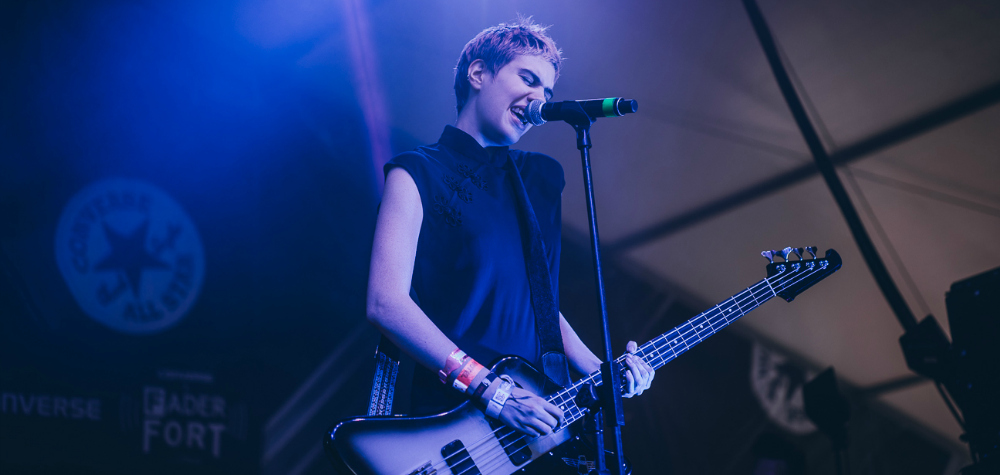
<point x="711" y="318"/>
<point x="496" y="455"/>
<point x="594" y="378"/>
<point x="706" y="315"/>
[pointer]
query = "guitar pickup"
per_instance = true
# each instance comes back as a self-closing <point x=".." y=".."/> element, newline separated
<point x="459" y="459"/>
<point x="513" y="443"/>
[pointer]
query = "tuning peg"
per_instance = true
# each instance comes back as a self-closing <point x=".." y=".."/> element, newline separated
<point x="812" y="250"/>
<point x="783" y="253"/>
<point x="798" y="252"/>
<point x="787" y="252"/>
<point x="769" y="255"/>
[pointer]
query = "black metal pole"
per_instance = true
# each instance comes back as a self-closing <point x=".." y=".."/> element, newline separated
<point x="610" y="407"/>
<point x="867" y="248"/>
<point x="597" y="419"/>
<point x="610" y="373"/>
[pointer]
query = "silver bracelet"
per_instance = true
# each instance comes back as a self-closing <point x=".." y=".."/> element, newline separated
<point x="500" y="397"/>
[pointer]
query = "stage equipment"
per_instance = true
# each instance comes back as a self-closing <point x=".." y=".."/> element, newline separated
<point x="830" y="411"/>
<point x="973" y="376"/>
<point x="969" y="367"/>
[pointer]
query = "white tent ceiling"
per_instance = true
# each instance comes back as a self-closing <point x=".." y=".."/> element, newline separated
<point x="712" y="121"/>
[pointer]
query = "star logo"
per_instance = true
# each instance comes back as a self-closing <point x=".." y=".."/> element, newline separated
<point x="130" y="255"/>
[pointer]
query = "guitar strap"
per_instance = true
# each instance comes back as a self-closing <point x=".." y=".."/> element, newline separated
<point x="384" y="382"/>
<point x="543" y="296"/>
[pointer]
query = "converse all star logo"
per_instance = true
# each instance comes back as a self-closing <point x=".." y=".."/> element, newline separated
<point x="130" y="256"/>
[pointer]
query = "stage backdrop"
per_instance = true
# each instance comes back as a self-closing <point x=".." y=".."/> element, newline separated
<point x="186" y="223"/>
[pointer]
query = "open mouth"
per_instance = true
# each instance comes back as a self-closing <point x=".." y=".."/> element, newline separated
<point x="518" y="112"/>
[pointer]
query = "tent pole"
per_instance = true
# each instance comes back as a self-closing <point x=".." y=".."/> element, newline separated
<point x="826" y="168"/>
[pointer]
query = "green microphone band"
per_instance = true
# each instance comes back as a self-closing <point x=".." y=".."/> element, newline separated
<point x="608" y="107"/>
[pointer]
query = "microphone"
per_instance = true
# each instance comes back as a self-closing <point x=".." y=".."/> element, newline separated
<point x="539" y="112"/>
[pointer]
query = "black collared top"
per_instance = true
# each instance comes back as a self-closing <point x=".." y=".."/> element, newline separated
<point x="469" y="274"/>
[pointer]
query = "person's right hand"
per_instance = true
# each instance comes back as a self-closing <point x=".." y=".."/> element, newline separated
<point x="530" y="414"/>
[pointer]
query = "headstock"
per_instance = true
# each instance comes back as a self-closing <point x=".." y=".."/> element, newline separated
<point x="790" y="277"/>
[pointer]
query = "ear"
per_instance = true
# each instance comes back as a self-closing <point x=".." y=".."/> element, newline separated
<point x="477" y="73"/>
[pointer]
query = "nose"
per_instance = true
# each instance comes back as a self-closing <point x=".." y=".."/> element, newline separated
<point x="537" y="94"/>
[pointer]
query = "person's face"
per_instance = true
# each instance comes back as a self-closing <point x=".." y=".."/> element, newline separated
<point x="503" y="97"/>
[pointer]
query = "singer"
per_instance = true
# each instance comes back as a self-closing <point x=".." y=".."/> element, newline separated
<point x="465" y="261"/>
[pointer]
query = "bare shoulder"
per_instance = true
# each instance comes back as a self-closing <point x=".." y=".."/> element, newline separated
<point x="400" y="192"/>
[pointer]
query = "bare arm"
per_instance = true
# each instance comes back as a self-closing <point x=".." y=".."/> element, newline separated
<point x="390" y="307"/>
<point x="579" y="355"/>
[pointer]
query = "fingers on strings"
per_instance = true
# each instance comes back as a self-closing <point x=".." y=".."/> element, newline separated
<point x="639" y="375"/>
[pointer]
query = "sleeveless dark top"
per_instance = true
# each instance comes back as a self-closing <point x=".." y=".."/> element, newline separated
<point x="469" y="274"/>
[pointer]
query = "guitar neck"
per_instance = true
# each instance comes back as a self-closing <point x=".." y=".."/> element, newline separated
<point x="664" y="348"/>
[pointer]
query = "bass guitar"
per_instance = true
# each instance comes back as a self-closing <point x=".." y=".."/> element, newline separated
<point x="463" y="441"/>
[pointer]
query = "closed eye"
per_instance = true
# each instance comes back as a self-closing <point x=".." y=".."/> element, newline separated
<point x="532" y="80"/>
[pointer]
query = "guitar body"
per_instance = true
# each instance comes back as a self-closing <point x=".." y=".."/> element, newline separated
<point x="395" y="445"/>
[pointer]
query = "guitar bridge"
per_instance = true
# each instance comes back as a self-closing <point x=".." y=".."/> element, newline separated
<point x="425" y="469"/>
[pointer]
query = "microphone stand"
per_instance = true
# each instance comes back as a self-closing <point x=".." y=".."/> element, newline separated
<point x="611" y="370"/>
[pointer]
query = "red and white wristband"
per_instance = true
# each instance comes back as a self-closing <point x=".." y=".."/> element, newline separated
<point x="460" y="371"/>
<point x="455" y="360"/>
<point x="466" y="375"/>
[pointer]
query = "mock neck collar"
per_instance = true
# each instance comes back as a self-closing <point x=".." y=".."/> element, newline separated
<point x="463" y="143"/>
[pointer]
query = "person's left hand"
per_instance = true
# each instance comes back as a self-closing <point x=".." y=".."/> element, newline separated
<point x="639" y="375"/>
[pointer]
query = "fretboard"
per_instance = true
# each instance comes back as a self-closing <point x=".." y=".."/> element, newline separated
<point x="664" y="348"/>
